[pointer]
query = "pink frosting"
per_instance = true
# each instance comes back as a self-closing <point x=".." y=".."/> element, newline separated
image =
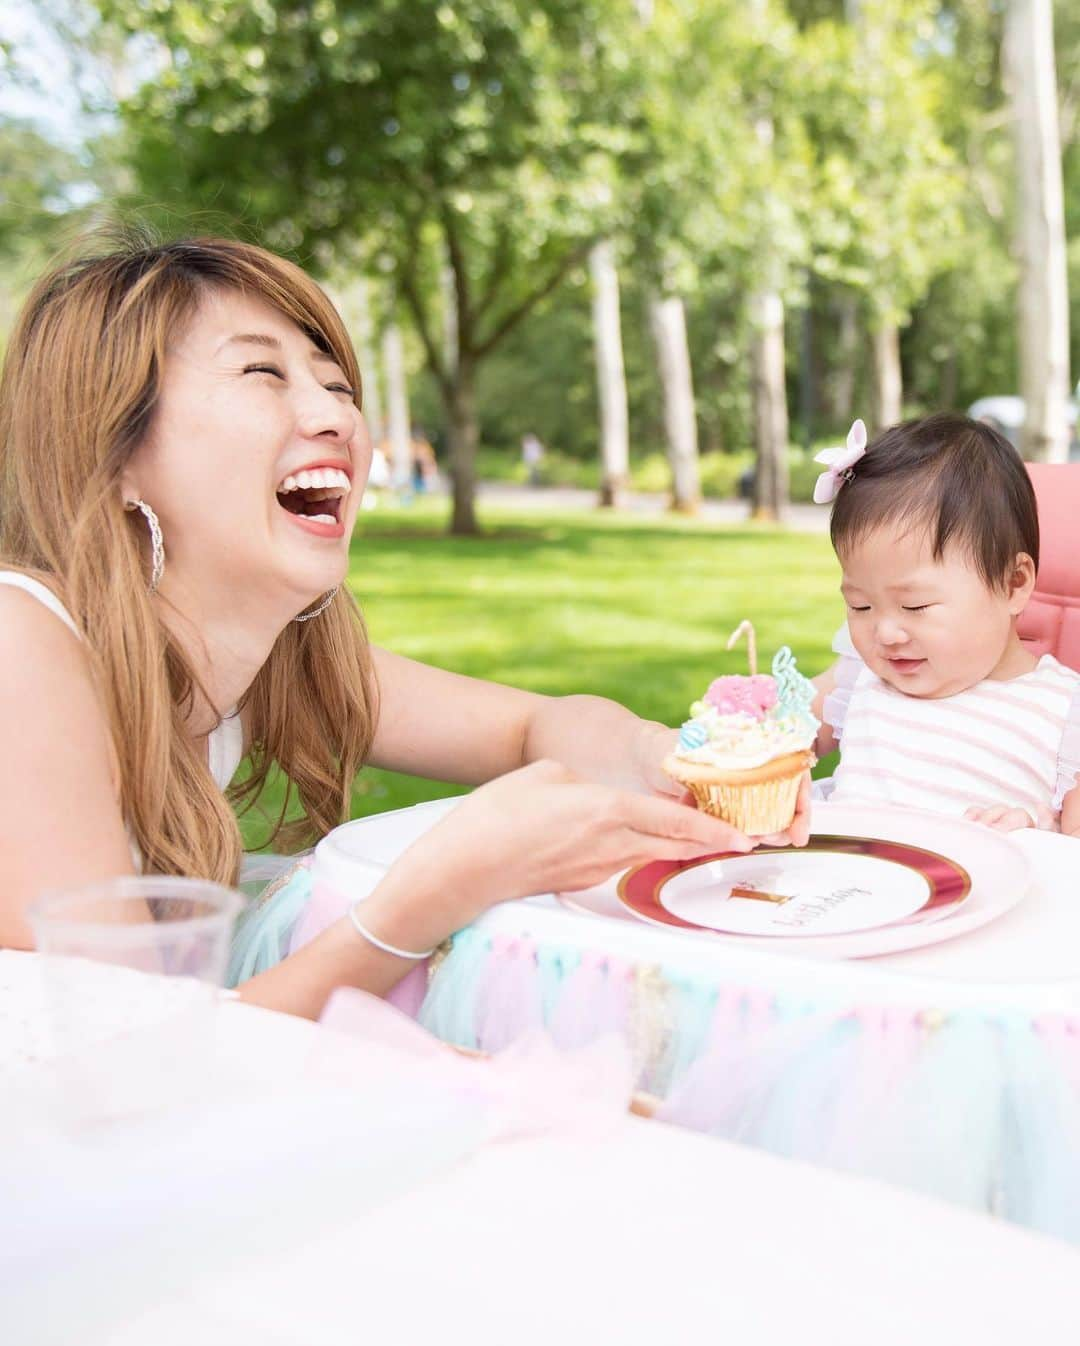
<point x="734" y="695"/>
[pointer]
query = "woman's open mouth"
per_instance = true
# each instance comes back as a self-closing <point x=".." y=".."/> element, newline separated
<point x="315" y="499"/>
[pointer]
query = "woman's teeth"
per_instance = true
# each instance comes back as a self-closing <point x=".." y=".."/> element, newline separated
<point x="321" y="478"/>
<point x="303" y="492"/>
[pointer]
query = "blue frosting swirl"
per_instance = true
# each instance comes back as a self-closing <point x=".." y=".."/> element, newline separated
<point x="794" y="693"/>
<point x="693" y="735"/>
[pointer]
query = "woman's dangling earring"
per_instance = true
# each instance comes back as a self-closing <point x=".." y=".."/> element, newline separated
<point x="307" y="616"/>
<point x="157" y="544"/>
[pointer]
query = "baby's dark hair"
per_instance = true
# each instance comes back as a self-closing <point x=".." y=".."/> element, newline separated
<point x="958" y="478"/>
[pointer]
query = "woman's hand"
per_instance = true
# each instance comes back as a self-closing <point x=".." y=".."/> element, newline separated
<point x="798" y="834"/>
<point x="542" y="829"/>
<point x="653" y="743"/>
<point x="649" y="745"/>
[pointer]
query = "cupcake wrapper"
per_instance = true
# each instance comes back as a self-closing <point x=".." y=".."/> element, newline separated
<point x="757" y="810"/>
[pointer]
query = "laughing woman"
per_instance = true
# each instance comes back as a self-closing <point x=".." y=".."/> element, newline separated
<point x="182" y="456"/>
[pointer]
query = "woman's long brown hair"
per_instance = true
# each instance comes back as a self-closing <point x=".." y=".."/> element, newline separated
<point x="80" y="384"/>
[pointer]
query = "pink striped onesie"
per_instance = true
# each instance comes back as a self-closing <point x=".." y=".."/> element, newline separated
<point x="1015" y="743"/>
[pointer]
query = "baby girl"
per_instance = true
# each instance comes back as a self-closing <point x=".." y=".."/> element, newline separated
<point x="935" y="702"/>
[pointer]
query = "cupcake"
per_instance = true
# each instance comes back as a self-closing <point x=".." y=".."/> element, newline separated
<point x="747" y="745"/>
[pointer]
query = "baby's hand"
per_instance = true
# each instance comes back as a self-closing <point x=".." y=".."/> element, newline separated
<point x="1002" y="818"/>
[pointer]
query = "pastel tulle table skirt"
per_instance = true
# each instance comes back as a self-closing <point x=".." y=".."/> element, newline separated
<point x="967" y="1091"/>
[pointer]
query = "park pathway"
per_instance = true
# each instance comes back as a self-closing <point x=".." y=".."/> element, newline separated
<point x="800" y="518"/>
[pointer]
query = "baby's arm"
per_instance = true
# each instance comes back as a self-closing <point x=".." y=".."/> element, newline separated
<point x="1070" y="811"/>
<point x="1005" y="818"/>
<point x="826" y="741"/>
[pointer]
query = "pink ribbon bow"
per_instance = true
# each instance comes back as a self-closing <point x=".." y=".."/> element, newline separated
<point x="529" y="1088"/>
<point x="839" y="463"/>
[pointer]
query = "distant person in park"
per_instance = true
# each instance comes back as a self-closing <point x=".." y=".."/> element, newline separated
<point x="934" y="702"/>
<point x="182" y="457"/>
<point x="378" y="479"/>
<point x="425" y="472"/>
<point x="379" y="474"/>
<point x="532" y="455"/>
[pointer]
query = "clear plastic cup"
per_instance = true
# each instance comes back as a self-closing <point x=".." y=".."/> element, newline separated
<point x="132" y="969"/>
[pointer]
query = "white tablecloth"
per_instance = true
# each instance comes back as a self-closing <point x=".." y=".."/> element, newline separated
<point x="645" y="1234"/>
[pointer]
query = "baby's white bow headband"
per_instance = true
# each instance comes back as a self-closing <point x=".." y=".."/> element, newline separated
<point x="839" y="463"/>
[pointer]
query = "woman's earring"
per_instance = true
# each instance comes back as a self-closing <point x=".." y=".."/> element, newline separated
<point x="157" y="544"/>
<point x="307" y="616"/>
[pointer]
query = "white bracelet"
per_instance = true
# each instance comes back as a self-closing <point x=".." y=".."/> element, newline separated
<point x="378" y="943"/>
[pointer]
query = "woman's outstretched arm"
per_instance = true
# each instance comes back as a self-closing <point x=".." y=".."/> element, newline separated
<point x="448" y="727"/>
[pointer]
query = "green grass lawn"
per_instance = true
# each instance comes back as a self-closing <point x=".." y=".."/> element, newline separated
<point x="630" y="607"/>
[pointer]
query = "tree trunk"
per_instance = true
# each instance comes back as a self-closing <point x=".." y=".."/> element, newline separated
<point x="808" y="389"/>
<point x="451" y="336"/>
<point x="1044" y="307"/>
<point x="668" y="321"/>
<point x="398" y="410"/>
<point x="610" y="375"/>
<point x="770" y="405"/>
<point x="888" y="380"/>
<point x="843" y="382"/>
<point x="767" y="355"/>
<point x="459" y="401"/>
<point x="355" y="307"/>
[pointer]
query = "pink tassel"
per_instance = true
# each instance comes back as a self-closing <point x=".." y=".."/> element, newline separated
<point x="1062" y="1037"/>
<point x="595" y="1001"/>
<point x="322" y="909"/>
<point x="726" y="1088"/>
<point x="758" y="1011"/>
<point x="727" y="1019"/>
<point x="508" y="998"/>
<point x="882" y="1060"/>
<point x="408" y="995"/>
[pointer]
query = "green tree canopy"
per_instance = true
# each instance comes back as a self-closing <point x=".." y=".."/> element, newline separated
<point x="411" y="133"/>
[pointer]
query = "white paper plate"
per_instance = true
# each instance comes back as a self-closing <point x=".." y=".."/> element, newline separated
<point x="875" y="880"/>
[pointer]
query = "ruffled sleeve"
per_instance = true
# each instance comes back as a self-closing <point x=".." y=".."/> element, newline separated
<point x="843" y="645"/>
<point x="848" y="667"/>
<point x="1068" y="766"/>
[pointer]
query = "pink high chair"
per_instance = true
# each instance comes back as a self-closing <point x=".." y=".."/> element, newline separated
<point x="1051" y="622"/>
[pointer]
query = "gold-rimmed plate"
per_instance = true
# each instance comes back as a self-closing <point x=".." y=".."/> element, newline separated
<point x="873" y="880"/>
<point x="836" y="885"/>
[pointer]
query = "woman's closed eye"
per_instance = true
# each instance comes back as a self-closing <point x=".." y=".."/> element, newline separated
<point x="279" y="374"/>
<point x="918" y="607"/>
<point x="854" y="607"/>
<point x="265" y="369"/>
